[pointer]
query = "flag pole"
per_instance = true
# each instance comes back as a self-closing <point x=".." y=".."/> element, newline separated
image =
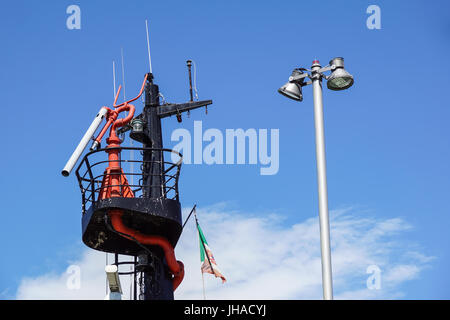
<point x="203" y="280"/>
<point x="203" y="244"/>
<point x="200" y="240"/>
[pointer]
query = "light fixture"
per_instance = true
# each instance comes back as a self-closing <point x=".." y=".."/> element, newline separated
<point x="339" y="79"/>
<point x="137" y="125"/>
<point x="137" y="130"/>
<point x="293" y="88"/>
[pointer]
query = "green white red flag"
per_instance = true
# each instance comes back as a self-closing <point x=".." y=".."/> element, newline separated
<point x="209" y="264"/>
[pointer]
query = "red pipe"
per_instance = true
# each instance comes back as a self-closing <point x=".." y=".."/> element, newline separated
<point x="176" y="267"/>
<point x="117" y="95"/>
<point x="121" y="122"/>
<point x="126" y="102"/>
<point x="112" y="114"/>
<point x="104" y="129"/>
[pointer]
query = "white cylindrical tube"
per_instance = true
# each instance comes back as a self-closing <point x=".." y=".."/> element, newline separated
<point x="84" y="141"/>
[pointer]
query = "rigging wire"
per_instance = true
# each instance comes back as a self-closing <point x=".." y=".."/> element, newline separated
<point x="114" y="95"/>
<point x="131" y="154"/>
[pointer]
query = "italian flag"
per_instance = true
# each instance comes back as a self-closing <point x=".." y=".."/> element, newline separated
<point x="206" y="257"/>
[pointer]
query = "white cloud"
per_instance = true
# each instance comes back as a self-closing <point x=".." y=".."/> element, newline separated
<point x="262" y="258"/>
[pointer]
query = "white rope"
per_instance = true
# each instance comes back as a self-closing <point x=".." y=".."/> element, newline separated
<point x="106" y="283"/>
<point x="114" y="96"/>
<point x="203" y="280"/>
<point x="195" y="80"/>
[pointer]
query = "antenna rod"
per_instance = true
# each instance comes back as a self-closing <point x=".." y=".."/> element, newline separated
<point x="189" y="64"/>
<point x="123" y="76"/>
<point x="148" y="47"/>
<point x="114" y="78"/>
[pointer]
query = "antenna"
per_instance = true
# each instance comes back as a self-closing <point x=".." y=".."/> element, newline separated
<point x="189" y="64"/>
<point x="114" y="79"/>
<point x="148" y="47"/>
<point x="123" y="75"/>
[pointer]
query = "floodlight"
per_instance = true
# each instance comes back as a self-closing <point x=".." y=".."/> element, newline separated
<point x="340" y="79"/>
<point x="292" y="90"/>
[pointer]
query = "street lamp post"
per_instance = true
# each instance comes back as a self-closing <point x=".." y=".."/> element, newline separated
<point x="339" y="79"/>
<point x="327" y="282"/>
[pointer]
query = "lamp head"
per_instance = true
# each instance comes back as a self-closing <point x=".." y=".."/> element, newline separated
<point x="293" y="90"/>
<point x="340" y="79"/>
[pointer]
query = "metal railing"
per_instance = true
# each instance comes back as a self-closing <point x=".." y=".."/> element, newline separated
<point x="154" y="174"/>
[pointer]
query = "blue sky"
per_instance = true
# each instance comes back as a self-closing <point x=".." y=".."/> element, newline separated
<point x="387" y="137"/>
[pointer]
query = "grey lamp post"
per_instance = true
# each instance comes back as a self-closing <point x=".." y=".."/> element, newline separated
<point x="339" y="79"/>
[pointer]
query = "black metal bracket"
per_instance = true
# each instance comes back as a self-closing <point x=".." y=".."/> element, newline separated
<point x="171" y="109"/>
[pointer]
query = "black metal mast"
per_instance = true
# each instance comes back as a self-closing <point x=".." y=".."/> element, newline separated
<point x="150" y="208"/>
<point x="156" y="282"/>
